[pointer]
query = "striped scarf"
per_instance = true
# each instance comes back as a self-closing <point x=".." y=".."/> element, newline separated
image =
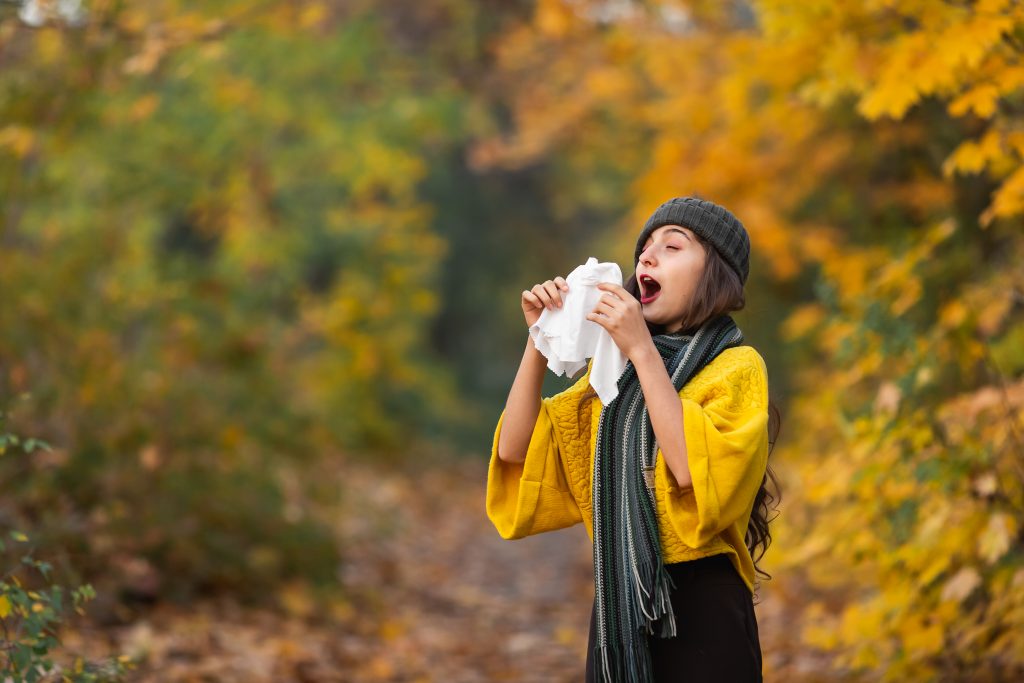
<point x="631" y="583"/>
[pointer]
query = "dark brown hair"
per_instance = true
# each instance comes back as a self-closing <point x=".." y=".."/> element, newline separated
<point x="719" y="291"/>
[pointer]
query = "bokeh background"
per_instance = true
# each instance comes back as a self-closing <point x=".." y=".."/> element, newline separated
<point x="260" y="268"/>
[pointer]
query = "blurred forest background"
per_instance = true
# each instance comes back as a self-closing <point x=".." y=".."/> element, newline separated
<point x="260" y="266"/>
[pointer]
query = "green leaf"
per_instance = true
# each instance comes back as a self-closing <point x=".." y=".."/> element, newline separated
<point x="22" y="656"/>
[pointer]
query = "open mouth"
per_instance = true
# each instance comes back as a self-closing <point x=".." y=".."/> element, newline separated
<point x="649" y="289"/>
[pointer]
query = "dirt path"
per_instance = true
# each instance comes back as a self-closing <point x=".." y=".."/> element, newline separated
<point x="467" y="604"/>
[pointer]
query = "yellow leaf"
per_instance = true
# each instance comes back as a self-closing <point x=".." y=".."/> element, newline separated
<point x="980" y="100"/>
<point x="937" y="566"/>
<point x="1008" y="199"/>
<point x="390" y="629"/>
<point x="553" y="18"/>
<point x="923" y="639"/>
<point x="972" y="156"/>
<point x="952" y="314"/>
<point x="961" y="584"/>
<point x="802" y="320"/>
<point x="986" y="484"/>
<point x="296" y="599"/>
<point x="18" y="138"/>
<point x="312" y="15"/>
<point x="995" y="539"/>
<point x="144" y="107"/>
<point x="565" y="636"/>
<point x="5" y="606"/>
<point x="887" y="400"/>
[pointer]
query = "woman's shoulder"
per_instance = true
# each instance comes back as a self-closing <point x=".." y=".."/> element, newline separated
<point x="742" y="356"/>
<point x="740" y="366"/>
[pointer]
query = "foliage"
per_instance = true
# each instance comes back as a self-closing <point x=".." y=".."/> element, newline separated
<point x="216" y="271"/>
<point x="30" y="617"/>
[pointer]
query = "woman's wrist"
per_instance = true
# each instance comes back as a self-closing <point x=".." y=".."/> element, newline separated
<point x="647" y="355"/>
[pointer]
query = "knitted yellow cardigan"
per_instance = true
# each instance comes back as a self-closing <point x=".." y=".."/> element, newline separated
<point x="725" y="419"/>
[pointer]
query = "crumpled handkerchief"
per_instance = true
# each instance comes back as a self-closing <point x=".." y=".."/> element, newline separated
<point x="567" y="338"/>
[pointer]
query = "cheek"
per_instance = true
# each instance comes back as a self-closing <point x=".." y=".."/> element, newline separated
<point x="686" y="275"/>
<point x="693" y="268"/>
<point x="681" y="287"/>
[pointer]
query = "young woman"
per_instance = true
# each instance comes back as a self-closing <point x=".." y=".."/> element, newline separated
<point x="670" y="478"/>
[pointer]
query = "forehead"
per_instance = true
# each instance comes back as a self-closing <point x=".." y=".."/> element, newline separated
<point x="666" y="230"/>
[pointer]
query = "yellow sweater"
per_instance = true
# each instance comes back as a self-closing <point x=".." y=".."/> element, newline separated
<point x="725" y="421"/>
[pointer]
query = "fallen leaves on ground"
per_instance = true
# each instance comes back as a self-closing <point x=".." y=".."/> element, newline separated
<point x="431" y="593"/>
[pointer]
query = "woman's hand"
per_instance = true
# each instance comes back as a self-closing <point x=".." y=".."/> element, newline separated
<point x="621" y="314"/>
<point x="545" y="295"/>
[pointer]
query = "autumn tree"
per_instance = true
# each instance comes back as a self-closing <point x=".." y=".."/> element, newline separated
<point x="873" y="151"/>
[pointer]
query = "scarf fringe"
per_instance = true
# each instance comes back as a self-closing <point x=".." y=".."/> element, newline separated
<point x="632" y="666"/>
<point x="664" y="587"/>
<point x="635" y="665"/>
<point x="658" y="606"/>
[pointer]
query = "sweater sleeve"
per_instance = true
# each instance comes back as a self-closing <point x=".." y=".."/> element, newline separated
<point x="533" y="496"/>
<point x="727" y="451"/>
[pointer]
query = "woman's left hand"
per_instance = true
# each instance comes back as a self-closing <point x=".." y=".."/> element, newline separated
<point x="621" y="314"/>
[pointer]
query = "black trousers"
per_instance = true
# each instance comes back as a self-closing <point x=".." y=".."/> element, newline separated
<point x="716" y="629"/>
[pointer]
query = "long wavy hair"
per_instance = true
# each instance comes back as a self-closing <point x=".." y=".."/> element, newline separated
<point x="720" y="291"/>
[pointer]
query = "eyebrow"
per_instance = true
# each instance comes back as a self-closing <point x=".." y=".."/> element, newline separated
<point x="670" y="230"/>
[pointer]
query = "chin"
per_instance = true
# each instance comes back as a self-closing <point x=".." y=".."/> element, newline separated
<point x="655" y="320"/>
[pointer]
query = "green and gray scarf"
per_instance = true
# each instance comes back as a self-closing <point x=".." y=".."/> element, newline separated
<point x="632" y="587"/>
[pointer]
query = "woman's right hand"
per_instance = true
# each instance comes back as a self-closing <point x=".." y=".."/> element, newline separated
<point x="544" y="295"/>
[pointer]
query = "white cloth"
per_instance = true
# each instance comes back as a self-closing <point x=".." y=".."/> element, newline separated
<point x="567" y="338"/>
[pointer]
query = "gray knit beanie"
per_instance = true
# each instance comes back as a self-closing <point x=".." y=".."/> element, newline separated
<point x="714" y="223"/>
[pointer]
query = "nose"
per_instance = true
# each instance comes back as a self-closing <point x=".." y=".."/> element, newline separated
<point x="647" y="254"/>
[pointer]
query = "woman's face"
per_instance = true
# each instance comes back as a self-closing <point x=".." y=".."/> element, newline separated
<point x="675" y="259"/>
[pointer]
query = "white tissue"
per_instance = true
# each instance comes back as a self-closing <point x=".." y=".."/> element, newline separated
<point x="567" y="338"/>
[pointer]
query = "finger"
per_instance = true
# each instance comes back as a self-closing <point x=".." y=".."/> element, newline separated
<point x="561" y="282"/>
<point x="553" y="291"/>
<point x="607" y="294"/>
<point x="609" y="300"/>
<point x="541" y="295"/>
<point x="612" y="289"/>
<point x="544" y="293"/>
<point x="604" y="312"/>
<point x="532" y="298"/>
